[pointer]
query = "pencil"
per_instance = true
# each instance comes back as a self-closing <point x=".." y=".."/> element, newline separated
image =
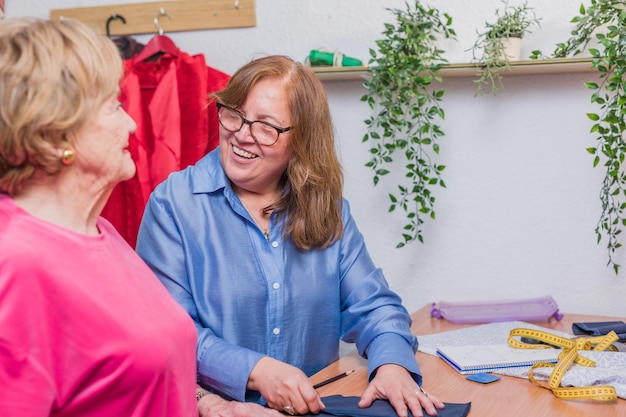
<point x="333" y="379"/>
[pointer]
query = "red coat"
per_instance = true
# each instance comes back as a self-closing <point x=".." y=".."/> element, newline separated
<point x="168" y="100"/>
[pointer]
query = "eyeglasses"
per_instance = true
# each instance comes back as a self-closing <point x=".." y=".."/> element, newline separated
<point x="264" y="133"/>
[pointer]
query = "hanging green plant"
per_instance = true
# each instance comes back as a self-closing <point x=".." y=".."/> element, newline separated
<point x="407" y="108"/>
<point x="609" y="94"/>
<point x="490" y="49"/>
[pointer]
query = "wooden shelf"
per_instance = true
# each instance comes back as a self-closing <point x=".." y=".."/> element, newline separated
<point x="341" y="73"/>
<point x="526" y="67"/>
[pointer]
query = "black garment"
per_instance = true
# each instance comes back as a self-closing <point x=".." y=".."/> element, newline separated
<point x="601" y="328"/>
<point x="127" y="46"/>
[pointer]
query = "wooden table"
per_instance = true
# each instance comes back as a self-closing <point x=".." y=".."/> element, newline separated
<point x="509" y="397"/>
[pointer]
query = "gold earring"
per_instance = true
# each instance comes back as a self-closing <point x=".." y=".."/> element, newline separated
<point x="67" y="157"/>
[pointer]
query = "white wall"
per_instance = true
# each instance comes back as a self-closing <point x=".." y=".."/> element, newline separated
<point x="518" y="217"/>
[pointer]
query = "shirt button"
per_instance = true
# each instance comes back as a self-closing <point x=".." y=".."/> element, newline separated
<point x="276" y="285"/>
<point x="276" y="330"/>
<point x="274" y="244"/>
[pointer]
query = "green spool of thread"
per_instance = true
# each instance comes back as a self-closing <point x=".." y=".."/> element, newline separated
<point x="320" y="58"/>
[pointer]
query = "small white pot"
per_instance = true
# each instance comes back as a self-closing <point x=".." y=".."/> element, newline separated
<point x="512" y="48"/>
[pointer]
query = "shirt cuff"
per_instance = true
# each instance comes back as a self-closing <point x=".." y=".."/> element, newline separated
<point x="392" y="348"/>
<point x="228" y="376"/>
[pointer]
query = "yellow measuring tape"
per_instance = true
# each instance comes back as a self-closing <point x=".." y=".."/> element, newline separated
<point x="567" y="358"/>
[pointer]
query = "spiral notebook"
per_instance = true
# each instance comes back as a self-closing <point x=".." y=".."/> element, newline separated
<point x="473" y="359"/>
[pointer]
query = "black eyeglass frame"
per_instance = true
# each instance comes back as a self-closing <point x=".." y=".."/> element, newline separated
<point x="249" y="123"/>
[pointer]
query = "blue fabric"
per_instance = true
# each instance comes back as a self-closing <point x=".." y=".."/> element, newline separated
<point x="250" y="297"/>
<point x="337" y="405"/>
<point x="601" y="328"/>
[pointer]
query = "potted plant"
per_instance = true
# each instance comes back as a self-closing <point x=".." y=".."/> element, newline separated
<point x="500" y="43"/>
<point x="406" y="108"/>
<point x="609" y="94"/>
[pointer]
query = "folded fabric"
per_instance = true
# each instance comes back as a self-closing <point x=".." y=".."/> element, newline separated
<point x="610" y="370"/>
<point x="339" y="405"/>
<point x="600" y="328"/>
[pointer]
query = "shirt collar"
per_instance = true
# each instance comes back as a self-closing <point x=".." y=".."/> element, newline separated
<point x="208" y="174"/>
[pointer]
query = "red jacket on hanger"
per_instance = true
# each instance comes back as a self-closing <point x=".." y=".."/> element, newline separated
<point x="168" y="99"/>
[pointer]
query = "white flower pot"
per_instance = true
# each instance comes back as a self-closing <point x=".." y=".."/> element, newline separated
<point x="512" y="48"/>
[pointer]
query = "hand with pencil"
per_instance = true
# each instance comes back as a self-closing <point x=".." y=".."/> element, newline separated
<point x="284" y="387"/>
<point x="280" y="384"/>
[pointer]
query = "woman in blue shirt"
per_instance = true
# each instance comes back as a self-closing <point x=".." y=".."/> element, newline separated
<point x="256" y="242"/>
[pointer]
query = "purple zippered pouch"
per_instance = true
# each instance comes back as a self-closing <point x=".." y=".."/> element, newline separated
<point x="529" y="309"/>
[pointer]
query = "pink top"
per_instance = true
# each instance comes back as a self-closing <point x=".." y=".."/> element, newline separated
<point x="86" y="329"/>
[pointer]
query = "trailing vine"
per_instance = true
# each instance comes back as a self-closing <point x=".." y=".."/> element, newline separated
<point x="407" y="109"/>
<point x="609" y="94"/>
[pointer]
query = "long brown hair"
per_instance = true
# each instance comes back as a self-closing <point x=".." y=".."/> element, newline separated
<point x="313" y="181"/>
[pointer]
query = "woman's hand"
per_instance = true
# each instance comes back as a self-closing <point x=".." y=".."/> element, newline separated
<point x="283" y="385"/>
<point x="212" y="405"/>
<point x="394" y="383"/>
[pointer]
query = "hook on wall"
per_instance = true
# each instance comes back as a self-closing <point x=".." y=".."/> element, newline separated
<point x="111" y="18"/>
<point x="162" y="12"/>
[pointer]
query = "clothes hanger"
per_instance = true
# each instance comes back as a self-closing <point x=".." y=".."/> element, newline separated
<point x="159" y="44"/>
<point x="127" y="46"/>
<point x="111" y="18"/>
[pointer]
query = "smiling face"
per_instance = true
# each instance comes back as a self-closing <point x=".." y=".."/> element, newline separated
<point x="101" y="145"/>
<point x="248" y="165"/>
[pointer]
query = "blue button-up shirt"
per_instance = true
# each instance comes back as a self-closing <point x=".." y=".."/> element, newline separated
<point x="252" y="297"/>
